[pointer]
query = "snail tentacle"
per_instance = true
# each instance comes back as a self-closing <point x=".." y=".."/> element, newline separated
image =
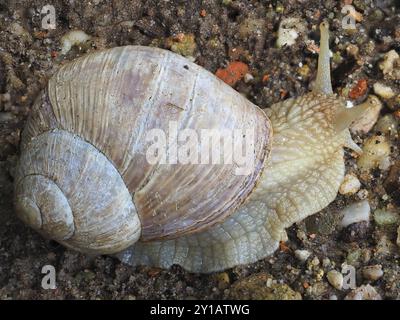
<point x="323" y="82"/>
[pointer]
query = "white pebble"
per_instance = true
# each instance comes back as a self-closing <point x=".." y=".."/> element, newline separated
<point x="376" y="151"/>
<point x="73" y="38"/>
<point x="302" y="255"/>
<point x="388" y="61"/>
<point x="335" y="278"/>
<point x="288" y="32"/>
<point x="248" y="77"/>
<point x="372" y="272"/>
<point x="383" y="91"/>
<point x="356" y="212"/>
<point x="362" y="194"/>
<point x="350" y="184"/>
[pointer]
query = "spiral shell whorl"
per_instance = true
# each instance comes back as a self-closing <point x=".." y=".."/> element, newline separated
<point x="41" y="204"/>
<point x="70" y="192"/>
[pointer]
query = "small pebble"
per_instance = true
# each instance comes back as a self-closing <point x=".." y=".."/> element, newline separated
<point x="302" y="255"/>
<point x="335" y="278"/>
<point x="383" y="91"/>
<point x="288" y="32"/>
<point x="73" y="38"/>
<point x="376" y="151"/>
<point x="223" y="280"/>
<point x="355" y="232"/>
<point x="350" y="184"/>
<point x="301" y="235"/>
<point x="362" y="194"/>
<point x="372" y="272"/>
<point x="356" y="212"/>
<point x="326" y="262"/>
<point x="388" y="61"/>
<point x="315" y="261"/>
<point x="387" y="125"/>
<point x="248" y="77"/>
<point x="385" y="217"/>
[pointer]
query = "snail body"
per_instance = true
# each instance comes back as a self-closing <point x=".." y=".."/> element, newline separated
<point x="83" y="178"/>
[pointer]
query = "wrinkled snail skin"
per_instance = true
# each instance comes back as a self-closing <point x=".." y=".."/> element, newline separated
<point x="83" y="178"/>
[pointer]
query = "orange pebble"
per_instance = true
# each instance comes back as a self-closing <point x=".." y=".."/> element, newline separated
<point x="233" y="72"/>
<point x="359" y="89"/>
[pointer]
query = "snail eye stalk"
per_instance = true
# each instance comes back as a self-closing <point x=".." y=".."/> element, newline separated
<point x="323" y="82"/>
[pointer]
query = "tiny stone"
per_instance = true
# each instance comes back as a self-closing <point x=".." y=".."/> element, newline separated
<point x="355" y="231"/>
<point x="301" y="235"/>
<point x="376" y="152"/>
<point x="386" y="217"/>
<point x="326" y="262"/>
<point x="383" y="91"/>
<point x="315" y="261"/>
<point x="350" y="184"/>
<point x="302" y="255"/>
<point x="388" y="61"/>
<point x="319" y="275"/>
<point x="73" y="38"/>
<point x="387" y="125"/>
<point x="335" y="278"/>
<point x="289" y="30"/>
<point x="223" y="280"/>
<point x="372" y="272"/>
<point x="384" y="247"/>
<point x="353" y="257"/>
<point x="356" y="212"/>
<point x="362" y="194"/>
<point x="248" y="77"/>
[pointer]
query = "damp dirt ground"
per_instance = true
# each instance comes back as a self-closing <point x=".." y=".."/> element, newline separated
<point x="216" y="32"/>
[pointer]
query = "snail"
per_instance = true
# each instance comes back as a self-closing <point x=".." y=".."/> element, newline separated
<point x="83" y="178"/>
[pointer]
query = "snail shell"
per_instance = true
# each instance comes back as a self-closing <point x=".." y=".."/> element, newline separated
<point x="84" y="179"/>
